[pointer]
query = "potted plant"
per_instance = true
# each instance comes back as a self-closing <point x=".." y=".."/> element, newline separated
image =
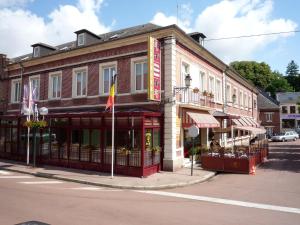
<point x="124" y="151"/>
<point x="211" y="95"/>
<point x="194" y="151"/>
<point x="204" y="93"/>
<point x="35" y="124"/>
<point x="196" y="90"/>
<point x="156" y="149"/>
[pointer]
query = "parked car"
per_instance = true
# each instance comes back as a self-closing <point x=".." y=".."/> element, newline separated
<point x="286" y="136"/>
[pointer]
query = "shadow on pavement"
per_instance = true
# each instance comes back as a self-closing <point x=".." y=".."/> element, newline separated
<point x="284" y="157"/>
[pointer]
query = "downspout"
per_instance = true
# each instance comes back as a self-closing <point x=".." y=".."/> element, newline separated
<point x="224" y="136"/>
<point x="21" y="87"/>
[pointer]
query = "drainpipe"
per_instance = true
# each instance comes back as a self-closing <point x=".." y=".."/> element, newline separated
<point x="224" y="136"/>
<point x="21" y="86"/>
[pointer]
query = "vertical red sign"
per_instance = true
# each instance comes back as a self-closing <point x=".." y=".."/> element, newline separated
<point x="154" y="69"/>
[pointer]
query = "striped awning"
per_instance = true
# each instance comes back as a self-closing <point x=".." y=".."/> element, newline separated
<point x="201" y="120"/>
<point x="254" y="130"/>
<point x="245" y="121"/>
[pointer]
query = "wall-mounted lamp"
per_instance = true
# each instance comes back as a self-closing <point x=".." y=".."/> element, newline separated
<point x="187" y="81"/>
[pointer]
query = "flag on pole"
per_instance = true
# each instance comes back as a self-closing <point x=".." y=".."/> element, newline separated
<point x="111" y="97"/>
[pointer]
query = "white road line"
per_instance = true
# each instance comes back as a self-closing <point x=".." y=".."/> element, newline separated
<point x="3" y="172"/>
<point x="41" y="182"/>
<point x="226" y="201"/>
<point x="15" y="177"/>
<point x="93" y="189"/>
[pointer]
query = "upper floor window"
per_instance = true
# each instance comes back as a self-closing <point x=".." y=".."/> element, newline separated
<point x="292" y="109"/>
<point x="228" y="93"/>
<point x="36" y="51"/>
<point x="79" y="82"/>
<point x="80" y="39"/>
<point x="249" y="103"/>
<point x="35" y="85"/>
<point x="54" y="85"/>
<point x="254" y="104"/>
<point x="211" y="84"/>
<point x="202" y="81"/>
<point x="107" y="78"/>
<point x="245" y="100"/>
<point x="218" y="96"/>
<point x="241" y="99"/>
<point x="269" y="116"/>
<point x="185" y="70"/>
<point x="140" y="75"/>
<point x="235" y="96"/>
<point x="284" y="109"/>
<point x="15" y="90"/>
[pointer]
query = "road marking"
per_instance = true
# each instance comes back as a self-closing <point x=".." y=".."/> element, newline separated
<point x="41" y="182"/>
<point x="2" y="172"/>
<point x="226" y="201"/>
<point x="17" y="177"/>
<point x="93" y="189"/>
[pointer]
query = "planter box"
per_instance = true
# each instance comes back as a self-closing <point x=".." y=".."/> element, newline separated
<point x="239" y="165"/>
<point x="212" y="163"/>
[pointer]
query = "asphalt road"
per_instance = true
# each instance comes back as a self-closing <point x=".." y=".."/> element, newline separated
<point x="271" y="196"/>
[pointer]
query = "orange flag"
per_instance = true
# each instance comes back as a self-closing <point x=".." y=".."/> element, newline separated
<point x="111" y="97"/>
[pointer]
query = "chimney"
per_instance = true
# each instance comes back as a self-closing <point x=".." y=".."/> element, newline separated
<point x="199" y="37"/>
<point x="3" y="65"/>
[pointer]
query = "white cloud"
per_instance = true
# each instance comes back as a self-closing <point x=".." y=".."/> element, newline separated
<point x="236" y="18"/>
<point x="20" y="28"/>
<point x="183" y="21"/>
<point x="14" y="3"/>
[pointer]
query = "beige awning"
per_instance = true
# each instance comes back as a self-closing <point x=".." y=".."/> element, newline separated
<point x="254" y="130"/>
<point x="201" y="120"/>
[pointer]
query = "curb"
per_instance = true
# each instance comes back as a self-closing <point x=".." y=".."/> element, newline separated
<point x="158" y="187"/>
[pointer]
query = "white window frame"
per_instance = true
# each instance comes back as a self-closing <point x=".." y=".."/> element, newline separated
<point x="36" y="77"/>
<point x="241" y="99"/>
<point x="236" y="96"/>
<point x="218" y="91"/>
<point x="228" y="95"/>
<point x="133" y="62"/>
<point x="202" y="80"/>
<point x="249" y="103"/>
<point x="211" y="86"/>
<point x="81" y="39"/>
<point x="245" y="100"/>
<point x="13" y="88"/>
<point x="74" y="81"/>
<point x="50" y="84"/>
<point x="269" y="116"/>
<point x="103" y="66"/>
<point x="184" y="73"/>
<point x="36" y="51"/>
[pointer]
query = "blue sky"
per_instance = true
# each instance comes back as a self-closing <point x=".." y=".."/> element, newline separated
<point x="25" y="22"/>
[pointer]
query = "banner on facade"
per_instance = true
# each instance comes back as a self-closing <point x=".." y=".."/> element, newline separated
<point x="290" y="116"/>
<point x="154" y="69"/>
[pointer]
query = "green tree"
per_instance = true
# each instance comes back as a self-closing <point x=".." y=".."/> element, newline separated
<point x="292" y="75"/>
<point x="278" y="84"/>
<point x="261" y="75"/>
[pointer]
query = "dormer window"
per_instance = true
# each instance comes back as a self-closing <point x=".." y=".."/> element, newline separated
<point x="36" y="51"/>
<point x="80" y="39"/>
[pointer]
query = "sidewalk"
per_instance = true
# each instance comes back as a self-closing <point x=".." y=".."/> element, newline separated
<point x="161" y="180"/>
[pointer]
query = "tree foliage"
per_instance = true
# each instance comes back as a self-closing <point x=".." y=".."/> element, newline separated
<point x="261" y="75"/>
<point x="292" y="75"/>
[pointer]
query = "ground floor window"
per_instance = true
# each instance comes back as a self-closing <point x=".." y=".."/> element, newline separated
<point x="288" y="123"/>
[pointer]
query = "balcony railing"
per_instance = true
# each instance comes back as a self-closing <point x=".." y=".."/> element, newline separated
<point x="190" y="96"/>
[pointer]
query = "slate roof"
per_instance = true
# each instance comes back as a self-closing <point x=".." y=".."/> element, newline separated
<point x="122" y="33"/>
<point x="265" y="101"/>
<point x="288" y="97"/>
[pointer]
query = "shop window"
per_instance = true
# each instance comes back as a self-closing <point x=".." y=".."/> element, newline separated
<point x="75" y="145"/>
<point x="15" y="90"/>
<point x="107" y="147"/>
<point x="288" y="123"/>
<point x="95" y="146"/>
<point x="85" y="145"/>
<point x="58" y="143"/>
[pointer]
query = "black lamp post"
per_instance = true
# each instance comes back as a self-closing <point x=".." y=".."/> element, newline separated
<point x="187" y="81"/>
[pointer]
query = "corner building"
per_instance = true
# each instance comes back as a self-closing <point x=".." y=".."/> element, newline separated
<point x="73" y="80"/>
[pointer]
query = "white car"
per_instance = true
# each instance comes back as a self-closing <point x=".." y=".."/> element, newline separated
<point x="286" y="136"/>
